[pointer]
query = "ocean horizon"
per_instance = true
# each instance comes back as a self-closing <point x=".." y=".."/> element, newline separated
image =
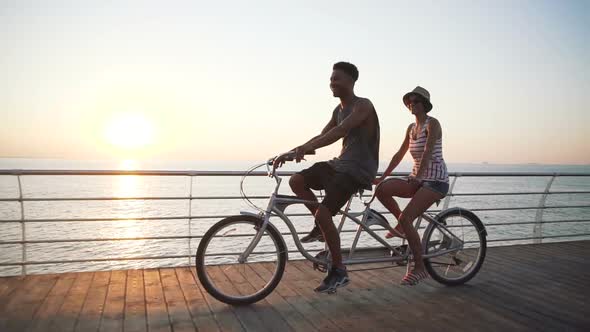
<point x="242" y="165"/>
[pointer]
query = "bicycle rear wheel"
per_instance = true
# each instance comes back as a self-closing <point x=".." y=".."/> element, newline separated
<point x="230" y="281"/>
<point x="462" y="247"/>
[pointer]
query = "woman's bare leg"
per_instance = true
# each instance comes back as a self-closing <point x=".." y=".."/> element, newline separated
<point x="421" y="201"/>
<point x="395" y="187"/>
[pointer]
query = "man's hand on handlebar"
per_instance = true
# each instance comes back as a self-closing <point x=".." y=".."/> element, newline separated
<point x="296" y="155"/>
<point x="301" y="151"/>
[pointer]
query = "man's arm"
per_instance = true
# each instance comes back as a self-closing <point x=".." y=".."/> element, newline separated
<point x="331" y="124"/>
<point x="359" y="114"/>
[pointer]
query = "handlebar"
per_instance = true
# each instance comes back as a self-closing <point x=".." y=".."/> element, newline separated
<point x="287" y="156"/>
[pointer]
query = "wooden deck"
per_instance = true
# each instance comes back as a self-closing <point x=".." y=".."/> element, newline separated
<point x="531" y="287"/>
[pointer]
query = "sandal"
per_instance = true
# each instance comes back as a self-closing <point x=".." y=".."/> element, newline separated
<point x="395" y="233"/>
<point x="412" y="279"/>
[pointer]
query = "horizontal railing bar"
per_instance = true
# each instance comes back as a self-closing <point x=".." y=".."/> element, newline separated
<point x="539" y="237"/>
<point x="532" y="208"/>
<point x="89" y="260"/>
<point x="536" y="222"/>
<point x="242" y="235"/>
<point x="289" y="215"/>
<point x="148" y="198"/>
<point x="190" y="256"/>
<point x="135" y="219"/>
<point x="179" y="237"/>
<point x="256" y="173"/>
<point x="520" y="193"/>
<point x="95" y="199"/>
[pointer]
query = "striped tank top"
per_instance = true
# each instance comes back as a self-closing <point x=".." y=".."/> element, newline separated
<point x="437" y="169"/>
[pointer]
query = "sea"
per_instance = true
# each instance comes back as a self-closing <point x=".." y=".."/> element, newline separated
<point x="569" y="221"/>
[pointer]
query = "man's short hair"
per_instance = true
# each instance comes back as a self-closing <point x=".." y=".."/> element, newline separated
<point x="348" y="68"/>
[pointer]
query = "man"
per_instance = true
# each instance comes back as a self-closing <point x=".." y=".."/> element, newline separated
<point x="355" y="121"/>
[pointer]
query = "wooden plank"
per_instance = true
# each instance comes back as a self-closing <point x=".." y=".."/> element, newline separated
<point x="271" y="319"/>
<point x="451" y="309"/>
<point x="502" y="282"/>
<point x="301" y="304"/>
<point x="178" y="312"/>
<point x="343" y="308"/>
<point x="72" y="305"/>
<point x="114" y="309"/>
<point x="290" y="313"/>
<point x="198" y="307"/>
<point x="518" y="285"/>
<point x="157" y="313"/>
<point x="303" y="298"/>
<point x="21" y="307"/>
<point x="246" y="314"/>
<point x="135" y="309"/>
<point x="516" y="289"/>
<point x="92" y="309"/>
<point x="7" y="286"/>
<point x="223" y="313"/>
<point x="49" y="308"/>
<point x="534" y="273"/>
<point x="357" y="303"/>
<point x="380" y="300"/>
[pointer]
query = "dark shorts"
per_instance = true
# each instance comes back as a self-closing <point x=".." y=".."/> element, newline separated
<point x="338" y="187"/>
<point x="437" y="186"/>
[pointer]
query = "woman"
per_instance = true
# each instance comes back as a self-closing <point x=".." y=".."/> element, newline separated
<point x="428" y="182"/>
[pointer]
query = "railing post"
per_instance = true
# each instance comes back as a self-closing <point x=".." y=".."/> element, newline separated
<point x="23" y="227"/>
<point x="538" y="229"/>
<point x="190" y="210"/>
<point x="449" y="194"/>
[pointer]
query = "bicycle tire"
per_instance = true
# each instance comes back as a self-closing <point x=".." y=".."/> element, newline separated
<point x="206" y="280"/>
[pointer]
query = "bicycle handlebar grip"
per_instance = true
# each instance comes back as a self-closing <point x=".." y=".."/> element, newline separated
<point x="290" y="156"/>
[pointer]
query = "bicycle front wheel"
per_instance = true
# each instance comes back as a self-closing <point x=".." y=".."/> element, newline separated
<point x="221" y="273"/>
<point x="460" y="248"/>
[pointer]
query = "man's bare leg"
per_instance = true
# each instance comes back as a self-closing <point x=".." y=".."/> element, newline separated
<point x="323" y="217"/>
<point x="297" y="184"/>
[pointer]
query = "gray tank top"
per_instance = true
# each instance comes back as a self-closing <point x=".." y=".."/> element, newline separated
<point x="359" y="156"/>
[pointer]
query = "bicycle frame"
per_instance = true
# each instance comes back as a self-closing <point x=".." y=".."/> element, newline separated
<point x="278" y="203"/>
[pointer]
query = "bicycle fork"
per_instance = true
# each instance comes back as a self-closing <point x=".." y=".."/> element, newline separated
<point x="243" y="258"/>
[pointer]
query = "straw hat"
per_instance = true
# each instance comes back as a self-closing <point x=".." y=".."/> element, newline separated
<point x="421" y="92"/>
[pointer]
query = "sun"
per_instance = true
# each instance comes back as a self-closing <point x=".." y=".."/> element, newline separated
<point x="129" y="131"/>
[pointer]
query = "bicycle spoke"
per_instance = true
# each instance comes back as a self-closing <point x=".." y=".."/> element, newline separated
<point x="458" y="240"/>
<point x="218" y="257"/>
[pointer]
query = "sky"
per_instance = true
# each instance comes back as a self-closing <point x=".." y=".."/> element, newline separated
<point x="245" y="80"/>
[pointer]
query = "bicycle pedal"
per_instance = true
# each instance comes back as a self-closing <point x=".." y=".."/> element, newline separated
<point x="320" y="267"/>
<point x="401" y="249"/>
<point x="322" y="255"/>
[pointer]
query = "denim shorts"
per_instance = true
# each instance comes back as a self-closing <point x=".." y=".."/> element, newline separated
<point x="437" y="186"/>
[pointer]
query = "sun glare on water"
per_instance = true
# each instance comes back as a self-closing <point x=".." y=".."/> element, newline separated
<point x="129" y="131"/>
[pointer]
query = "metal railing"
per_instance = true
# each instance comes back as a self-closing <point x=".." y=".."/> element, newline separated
<point x="537" y="235"/>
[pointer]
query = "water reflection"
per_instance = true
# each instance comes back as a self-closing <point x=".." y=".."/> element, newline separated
<point x="127" y="186"/>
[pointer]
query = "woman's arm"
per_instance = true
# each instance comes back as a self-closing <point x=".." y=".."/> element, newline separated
<point x="397" y="158"/>
<point x="433" y="134"/>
